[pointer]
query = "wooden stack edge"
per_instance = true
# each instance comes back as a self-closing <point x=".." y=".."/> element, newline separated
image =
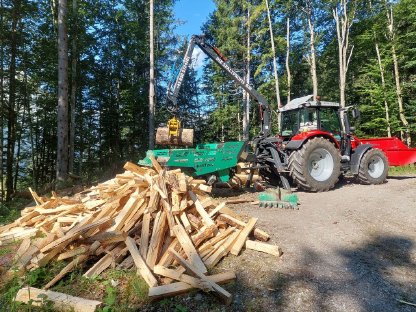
<point x="241" y="176"/>
<point x="160" y="222"/>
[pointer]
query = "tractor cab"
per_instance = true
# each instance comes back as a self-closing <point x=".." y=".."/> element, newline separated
<point x="305" y="115"/>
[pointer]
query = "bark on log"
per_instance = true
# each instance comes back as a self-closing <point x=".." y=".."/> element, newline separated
<point x="186" y="137"/>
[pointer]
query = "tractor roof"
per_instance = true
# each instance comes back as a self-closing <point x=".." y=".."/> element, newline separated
<point x="306" y="101"/>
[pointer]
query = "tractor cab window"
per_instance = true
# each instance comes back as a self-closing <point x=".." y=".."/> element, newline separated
<point x="330" y="121"/>
<point x="289" y="124"/>
<point x="308" y="119"/>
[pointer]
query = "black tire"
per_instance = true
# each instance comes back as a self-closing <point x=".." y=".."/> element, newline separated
<point x="316" y="166"/>
<point x="373" y="167"/>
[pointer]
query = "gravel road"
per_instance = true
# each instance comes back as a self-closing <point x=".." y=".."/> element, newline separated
<point x="350" y="249"/>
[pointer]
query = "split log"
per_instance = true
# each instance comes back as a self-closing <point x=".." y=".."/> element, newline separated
<point x="267" y="248"/>
<point x="178" y="288"/>
<point x="258" y="234"/>
<point x="242" y="237"/>
<point x="141" y="265"/>
<point x="218" y="290"/>
<point x="62" y="302"/>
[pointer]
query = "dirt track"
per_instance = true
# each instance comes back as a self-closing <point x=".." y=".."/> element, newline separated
<point x="350" y="249"/>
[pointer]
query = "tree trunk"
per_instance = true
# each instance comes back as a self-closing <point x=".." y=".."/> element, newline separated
<point x="403" y="119"/>
<point x="73" y="88"/>
<point x="343" y="25"/>
<point x="383" y="85"/>
<point x="152" y="104"/>
<point x="400" y="97"/>
<point x="32" y="144"/>
<point x="289" y="77"/>
<point x="246" y="96"/>
<point x="276" y="78"/>
<point x="11" y="113"/>
<point x="19" y="144"/>
<point x="2" y="107"/>
<point x="62" y="135"/>
<point x="313" y="56"/>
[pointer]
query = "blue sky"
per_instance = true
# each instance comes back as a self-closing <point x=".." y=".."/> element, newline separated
<point x="193" y="13"/>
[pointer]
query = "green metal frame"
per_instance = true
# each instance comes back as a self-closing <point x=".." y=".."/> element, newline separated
<point x="212" y="158"/>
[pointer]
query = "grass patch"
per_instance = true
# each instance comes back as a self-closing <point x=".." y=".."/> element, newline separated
<point x="119" y="290"/>
<point x="11" y="211"/>
<point x="404" y="170"/>
<point x="5" y="251"/>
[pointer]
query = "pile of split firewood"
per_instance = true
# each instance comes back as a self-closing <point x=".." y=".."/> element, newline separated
<point x="160" y="222"/>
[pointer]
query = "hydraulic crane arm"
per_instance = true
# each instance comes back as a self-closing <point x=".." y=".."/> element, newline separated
<point x="213" y="53"/>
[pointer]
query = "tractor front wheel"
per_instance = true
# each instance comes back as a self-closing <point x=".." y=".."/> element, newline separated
<point x="316" y="166"/>
<point x="373" y="167"/>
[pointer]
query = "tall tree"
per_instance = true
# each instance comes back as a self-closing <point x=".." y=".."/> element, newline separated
<point x="391" y="33"/>
<point x="74" y="60"/>
<point x="308" y="9"/>
<point x="11" y="108"/>
<point x="288" y="74"/>
<point x="343" y="20"/>
<point x="276" y="77"/>
<point x="62" y="134"/>
<point x="383" y="86"/>
<point x="2" y="100"/>
<point x="246" y="96"/>
<point x="152" y="104"/>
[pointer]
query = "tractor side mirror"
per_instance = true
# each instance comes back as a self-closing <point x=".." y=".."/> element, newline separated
<point x="355" y="113"/>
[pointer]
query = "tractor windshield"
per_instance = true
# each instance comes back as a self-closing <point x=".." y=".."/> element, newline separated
<point x="306" y="119"/>
<point x="290" y="123"/>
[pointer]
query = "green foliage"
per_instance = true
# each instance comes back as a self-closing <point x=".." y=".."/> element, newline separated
<point x="405" y="170"/>
<point x="10" y="211"/>
<point x="171" y="305"/>
<point x="111" y="95"/>
<point x="5" y="251"/>
<point x="109" y="298"/>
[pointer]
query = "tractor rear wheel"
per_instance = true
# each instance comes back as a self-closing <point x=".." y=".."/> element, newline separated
<point x="373" y="167"/>
<point x="316" y="166"/>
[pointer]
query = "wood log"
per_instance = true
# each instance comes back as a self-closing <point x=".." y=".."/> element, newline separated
<point x="218" y="290"/>
<point x="178" y="288"/>
<point x="258" y="234"/>
<point x="141" y="265"/>
<point x="72" y="253"/>
<point x="74" y="263"/>
<point x="217" y="209"/>
<point x="156" y="241"/>
<point x="201" y="210"/>
<point x="244" y="177"/>
<point x="242" y="237"/>
<point x="73" y="234"/>
<point x="267" y="248"/>
<point x="180" y="276"/>
<point x="136" y="169"/>
<point x="62" y="302"/>
<point x="189" y="248"/>
<point x="144" y="237"/>
<point x="222" y="250"/>
<point x="185" y="222"/>
<point x="186" y="137"/>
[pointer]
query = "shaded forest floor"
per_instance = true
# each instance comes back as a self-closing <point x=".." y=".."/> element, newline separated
<point x="350" y="249"/>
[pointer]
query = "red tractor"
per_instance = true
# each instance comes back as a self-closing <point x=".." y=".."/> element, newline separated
<point x="316" y="146"/>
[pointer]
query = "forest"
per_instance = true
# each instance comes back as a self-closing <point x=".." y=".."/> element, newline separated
<point x="77" y="76"/>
